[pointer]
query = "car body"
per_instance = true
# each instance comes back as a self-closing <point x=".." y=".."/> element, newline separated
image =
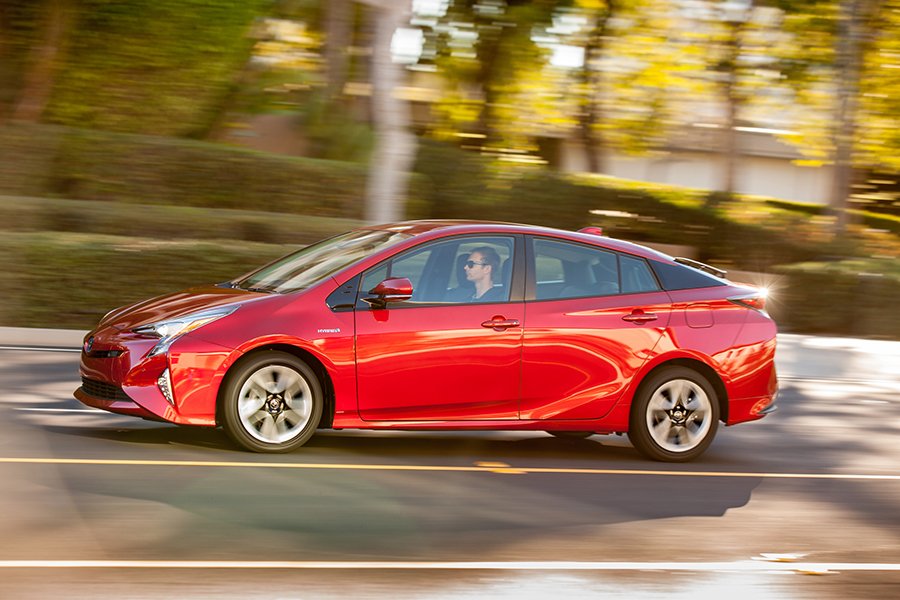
<point x="379" y="328"/>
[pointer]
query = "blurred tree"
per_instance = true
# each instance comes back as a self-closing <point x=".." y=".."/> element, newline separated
<point x="843" y="62"/>
<point x="395" y="144"/>
<point x="488" y="45"/>
<point x="53" y="23"/>
<point x="600" y="13"/>
<point x="338" y="35"/>
<point x="735" y="16"/>
<point x="856" y="29"/>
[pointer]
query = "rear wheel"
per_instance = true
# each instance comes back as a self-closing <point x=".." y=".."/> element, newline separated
<point x="271" y="402"/>
<point x="674" y="416"/>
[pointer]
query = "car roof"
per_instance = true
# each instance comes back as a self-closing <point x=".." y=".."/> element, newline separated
<point x="442" y="227"/>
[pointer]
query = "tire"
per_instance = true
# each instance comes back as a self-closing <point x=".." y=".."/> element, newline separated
<point x="674" y="415"/>
<point x="271" y="402"/>
<point x="571" y="435"/>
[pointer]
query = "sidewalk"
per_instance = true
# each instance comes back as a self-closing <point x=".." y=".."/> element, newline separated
<point x="798" y="356"/>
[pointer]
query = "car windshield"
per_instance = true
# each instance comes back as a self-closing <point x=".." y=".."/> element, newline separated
<point x="307" y="267"/>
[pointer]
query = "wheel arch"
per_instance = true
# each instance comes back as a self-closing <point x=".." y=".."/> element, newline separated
<point x="703" y="369"/>
<point x="309" y="358"/>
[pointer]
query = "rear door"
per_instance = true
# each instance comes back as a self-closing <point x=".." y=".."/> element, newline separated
<point x="593" y="318"/>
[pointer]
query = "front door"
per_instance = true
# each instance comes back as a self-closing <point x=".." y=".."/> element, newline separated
<point x="447" y="354"/>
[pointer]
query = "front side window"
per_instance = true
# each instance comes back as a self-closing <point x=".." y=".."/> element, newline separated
<point x="455" y="271"/>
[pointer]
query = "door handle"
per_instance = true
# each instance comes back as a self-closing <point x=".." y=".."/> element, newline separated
<point x="639" y="316"/>
<point x="500" y="323"/>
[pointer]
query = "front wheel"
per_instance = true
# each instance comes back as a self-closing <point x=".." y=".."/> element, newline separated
<point x="271" y="402"/>
<point x="674" y="415"/>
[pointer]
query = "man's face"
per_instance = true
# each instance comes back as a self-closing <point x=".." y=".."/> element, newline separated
<point x="476" y="269"/>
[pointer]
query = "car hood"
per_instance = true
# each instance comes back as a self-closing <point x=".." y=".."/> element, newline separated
<point x="178" y="304"/>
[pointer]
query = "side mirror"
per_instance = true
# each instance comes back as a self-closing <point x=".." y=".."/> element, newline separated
<point x="390" y="290"/>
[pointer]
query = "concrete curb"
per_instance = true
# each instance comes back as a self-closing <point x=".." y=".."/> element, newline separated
<point x="41" y="338"/>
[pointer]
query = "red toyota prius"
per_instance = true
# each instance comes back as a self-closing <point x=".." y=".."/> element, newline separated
<point x="447" y="325"/>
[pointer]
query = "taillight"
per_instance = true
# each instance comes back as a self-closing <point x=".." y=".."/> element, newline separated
<point x="754" y="301"/>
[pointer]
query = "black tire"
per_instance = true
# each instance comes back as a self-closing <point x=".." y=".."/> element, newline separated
<point x="571" y="435"/>
<point x="290" y="402"/>
<point x="685" y="408"/>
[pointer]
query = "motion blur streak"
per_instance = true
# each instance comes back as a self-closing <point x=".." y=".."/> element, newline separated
<point x="744" y="566"/>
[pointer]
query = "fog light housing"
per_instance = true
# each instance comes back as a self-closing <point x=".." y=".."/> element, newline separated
<point x="165" y="386"/>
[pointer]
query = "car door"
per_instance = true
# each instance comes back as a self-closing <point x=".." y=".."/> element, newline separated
<point x="593" y="319"/>
<point x="442" y="356"/>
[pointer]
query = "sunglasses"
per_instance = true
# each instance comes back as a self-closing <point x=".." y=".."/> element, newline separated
<point x="472" y="263"/>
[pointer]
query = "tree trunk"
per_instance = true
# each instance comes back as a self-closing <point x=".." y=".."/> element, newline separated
<point x="591" y="114"/>
<point x="395" y="144"/>
<point x="854" y="18"/>
<point x="489" y="60"/>
<point x="41" y="69"/>
<point x="732" y="107"/>
<point x="338" y="31"/>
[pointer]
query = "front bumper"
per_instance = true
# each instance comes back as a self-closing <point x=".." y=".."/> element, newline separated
<point x="119" y="377"/>
<point x="88" y="395"/>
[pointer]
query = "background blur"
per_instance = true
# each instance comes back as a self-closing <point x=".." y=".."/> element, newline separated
<point x="147" y="145"/>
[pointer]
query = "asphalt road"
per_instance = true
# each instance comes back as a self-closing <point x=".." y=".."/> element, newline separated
<point x="804" y="504"/>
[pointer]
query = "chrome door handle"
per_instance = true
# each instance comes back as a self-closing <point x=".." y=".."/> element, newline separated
<point x="639" y="317"/>
<point x="499" y="323"/>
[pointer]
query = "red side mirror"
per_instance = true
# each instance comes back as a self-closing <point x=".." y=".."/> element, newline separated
<point x="391" y="290"/>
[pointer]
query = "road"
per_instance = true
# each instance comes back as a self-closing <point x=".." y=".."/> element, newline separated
<point x="804" y="504"/>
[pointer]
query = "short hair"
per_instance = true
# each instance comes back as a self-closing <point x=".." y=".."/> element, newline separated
<point x="490" y="257"/>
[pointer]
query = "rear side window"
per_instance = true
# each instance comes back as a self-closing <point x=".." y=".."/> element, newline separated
<point x="569" y="270"/>
<point x="636" y="276"/>
<point x="682" y="277"/>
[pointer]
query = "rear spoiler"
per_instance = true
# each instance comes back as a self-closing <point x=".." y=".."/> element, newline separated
<point x="720" y="273"/>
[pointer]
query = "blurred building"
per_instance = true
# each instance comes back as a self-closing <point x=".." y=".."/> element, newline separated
<point x="692" y="158"/>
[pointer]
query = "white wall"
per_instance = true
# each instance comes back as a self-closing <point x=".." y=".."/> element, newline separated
<point x="775" y="175"/>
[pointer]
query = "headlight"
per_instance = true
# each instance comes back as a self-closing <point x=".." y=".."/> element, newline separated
<point x="171" y="330"/>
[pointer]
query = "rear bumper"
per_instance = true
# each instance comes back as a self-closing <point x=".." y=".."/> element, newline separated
<point x="752" y="409"/>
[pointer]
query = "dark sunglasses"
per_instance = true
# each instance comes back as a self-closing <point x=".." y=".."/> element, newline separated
<point x="472" y="263"/>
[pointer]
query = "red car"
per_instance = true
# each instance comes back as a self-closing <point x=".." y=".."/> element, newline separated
<point x="447" y="325"/>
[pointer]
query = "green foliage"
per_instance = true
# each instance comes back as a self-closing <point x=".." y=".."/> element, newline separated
<point x="846" y="297"/>
<point x="333" y="131"/>
<point x="151" y="66"/>
<point x="453" y="182"/>
<point x="71" y="280"/>
<point x="19" y="24"/>
<point x="168" y="222"/>
<point x="96" y="165"/>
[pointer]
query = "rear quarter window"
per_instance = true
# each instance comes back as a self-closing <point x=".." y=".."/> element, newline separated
<point x="682" y="277"/>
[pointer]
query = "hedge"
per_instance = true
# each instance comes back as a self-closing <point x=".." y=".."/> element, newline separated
<point x="71" y="280"/>
<point x="96" y="165"/>
<point x="165" y="222"/>
<point x="851" y="297"/>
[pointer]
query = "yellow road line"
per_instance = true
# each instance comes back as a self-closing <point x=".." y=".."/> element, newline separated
<point x="484" y="468"/>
